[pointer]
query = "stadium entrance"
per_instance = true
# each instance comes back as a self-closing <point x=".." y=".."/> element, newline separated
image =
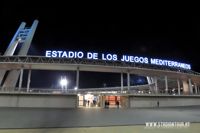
<point x="112" y="101"/>
<point x="115" y="101"/>
<point x="89" y="100"/>
<point x="102" y="101"/>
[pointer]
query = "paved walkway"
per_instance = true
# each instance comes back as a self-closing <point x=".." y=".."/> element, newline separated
<point x="62" y="118"/>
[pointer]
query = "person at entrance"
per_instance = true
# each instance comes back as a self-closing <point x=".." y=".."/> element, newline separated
<point x="88" y="103"/>
<point x="158" y="103"/>
<point x="106" y="104"/>
<point x="94" y="103"/>
<point x="117" y="103"/>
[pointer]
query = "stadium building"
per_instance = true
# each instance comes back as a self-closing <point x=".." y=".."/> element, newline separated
<point x="169" y="83"/>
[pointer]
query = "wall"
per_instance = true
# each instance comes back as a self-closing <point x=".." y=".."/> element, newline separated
<point x="164" y="101"/>
<point x="38" y="100"/>
<point x="70" y="101"/>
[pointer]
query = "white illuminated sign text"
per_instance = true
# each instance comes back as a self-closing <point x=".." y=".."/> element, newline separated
<point x="115" y="57"/>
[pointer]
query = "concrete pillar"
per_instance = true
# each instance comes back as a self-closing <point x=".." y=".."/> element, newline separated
<point x="190" y="86"/>
<point x="198" y="89"/>
<point x="14" y="42"/>
<point x="185" y="87"/>
<point x="195" y="87"/>
<point x="13" y="76"/>
<point x="128" y="80"/>
<point x="21" y="78"/>
<point x="27" y="43"/>
<point x="103" y="99"/>
<point x="125" y="101"/>
<point x="166" y="85"/>
<point x="77" y="78"/>
<point x="11" y="48"/>
<point x="179" y="88"/>
<point x="122" y="81"/>
<point x="156" y="85"/>
<point x="29" y="80"/>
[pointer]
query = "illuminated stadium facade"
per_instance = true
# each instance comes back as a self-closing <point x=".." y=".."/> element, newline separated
<point x="165" y="77"/>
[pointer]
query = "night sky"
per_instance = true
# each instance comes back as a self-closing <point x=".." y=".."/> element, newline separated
<point x="174" y="37"/>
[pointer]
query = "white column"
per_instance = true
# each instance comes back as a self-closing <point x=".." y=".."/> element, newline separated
<point x="148" y="80"/>
<point x="128" y="80"/>
<point x="77" y="78"/>
<point x="21" y="78"/>
<point x="156" y="85"/>
<point x="190" y="86"/>
<point x="29" y="80"/>
<point x="179" y="89"/>
<point x="122" y="81"/>
<point x="152" y="79"/>
<point x="166" y="85"/>
<point x="185" y="87"/>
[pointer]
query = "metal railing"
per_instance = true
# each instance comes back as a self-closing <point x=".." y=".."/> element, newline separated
<point x="135" y="90"/>
<point x="82" y="90"/>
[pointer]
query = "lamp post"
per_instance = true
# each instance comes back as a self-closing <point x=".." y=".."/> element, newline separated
<point x="63" y="83"/>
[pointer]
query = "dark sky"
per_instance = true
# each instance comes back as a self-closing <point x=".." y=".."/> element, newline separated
<point x="175" y="37"/>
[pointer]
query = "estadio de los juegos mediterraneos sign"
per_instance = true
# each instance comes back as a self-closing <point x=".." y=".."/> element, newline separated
<point x="115" y="57"/>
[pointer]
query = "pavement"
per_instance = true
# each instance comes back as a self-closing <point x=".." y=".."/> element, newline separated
<point x="89" y="118"/>
<point x="193" y="128"/>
